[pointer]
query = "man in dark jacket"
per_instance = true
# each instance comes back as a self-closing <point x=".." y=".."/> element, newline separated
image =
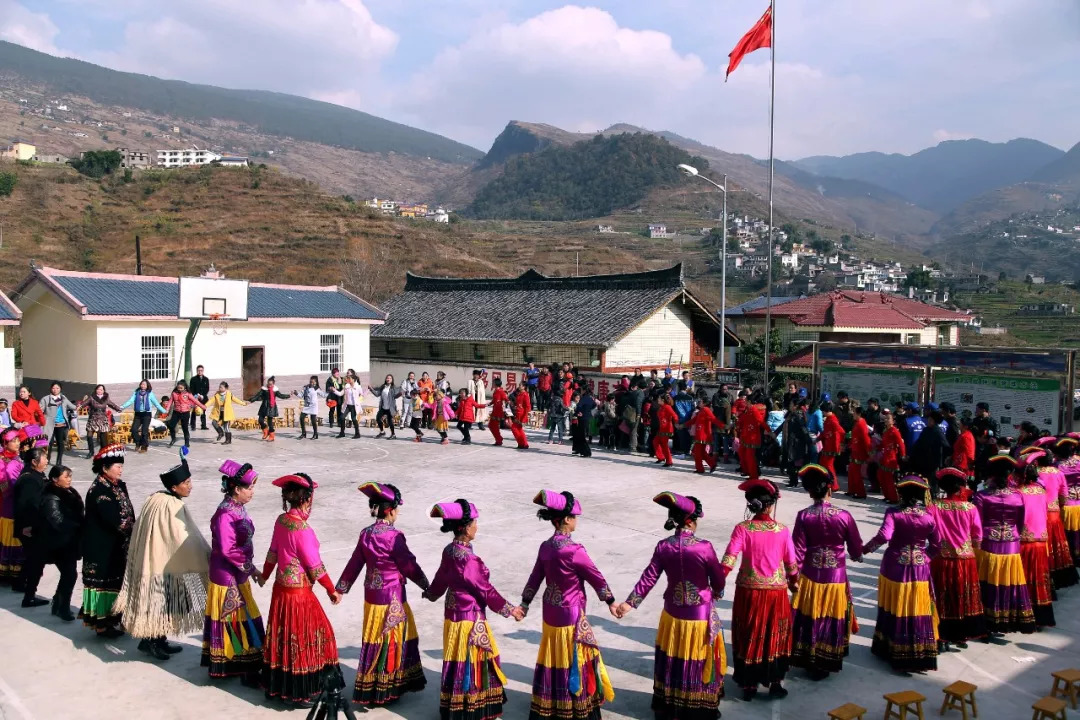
<point x="200" y="388"/>
<point x="721" y="407"/>
<point x="796" y="439"/>
<point x="636" y="400"/>
<point x="684" y="408"/>
<point x="931" y="450"/>
<point x="579" y="425"/>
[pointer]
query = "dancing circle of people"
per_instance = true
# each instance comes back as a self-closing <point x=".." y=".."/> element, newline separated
<point x="956" y="568"/>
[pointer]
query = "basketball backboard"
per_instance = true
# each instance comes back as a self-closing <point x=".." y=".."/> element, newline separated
<point x="205" y="297"/>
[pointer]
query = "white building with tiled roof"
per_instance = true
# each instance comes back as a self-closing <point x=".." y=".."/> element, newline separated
<point x="88" y="328"/>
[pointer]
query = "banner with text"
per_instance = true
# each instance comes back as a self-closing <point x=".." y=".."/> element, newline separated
<point x="888" y="386"/>
<point x="1012" y="399"/>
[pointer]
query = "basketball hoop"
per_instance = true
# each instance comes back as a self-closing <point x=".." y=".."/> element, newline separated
<point x="219" y="323"/>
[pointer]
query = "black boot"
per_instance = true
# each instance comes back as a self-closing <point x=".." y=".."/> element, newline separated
<point x="151" y="648"/>
<point x="62" y="607"/>
<point x="170" y="648"/>
<point x="228" y="439"/>
<point x="31" y="601"/>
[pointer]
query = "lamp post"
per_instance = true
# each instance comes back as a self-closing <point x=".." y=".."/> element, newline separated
<point x="692" y="171"/>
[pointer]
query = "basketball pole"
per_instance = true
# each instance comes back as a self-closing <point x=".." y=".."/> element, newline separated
<point x="193" y="329"/>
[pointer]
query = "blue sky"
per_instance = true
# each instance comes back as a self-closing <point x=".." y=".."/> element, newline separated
<point x="852" y="75"/>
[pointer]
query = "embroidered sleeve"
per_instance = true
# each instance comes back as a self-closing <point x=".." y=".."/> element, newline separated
<point x="316" y="572"/>
<point x="647" y="581"/>
<point x="588" y="572"/>
<point x="634" y="600"/>
<point x="729" y="561"/>
<point x="532" y="586"/>
<point x="352" y="570"/>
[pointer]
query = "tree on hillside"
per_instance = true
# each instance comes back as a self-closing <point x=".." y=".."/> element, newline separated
<point x="732" y="244"/>
<point x="826" y="281"/>
<point x="8" y="181"/>
<point x="589" y="179"/>
<point x="820" y="245"/>
<point x="97" y="163"/>
<point x="918" y="279"/>
<point x="751" y="358"/>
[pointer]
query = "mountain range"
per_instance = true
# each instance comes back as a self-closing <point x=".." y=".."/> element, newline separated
<point x="920" y="199"/>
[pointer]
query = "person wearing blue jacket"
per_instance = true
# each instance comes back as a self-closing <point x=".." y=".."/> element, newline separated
<point x="914" y="424"/>
<point x="144" y="403"/>
<point x="815" y="425"/>
<point x="684" y="408"/>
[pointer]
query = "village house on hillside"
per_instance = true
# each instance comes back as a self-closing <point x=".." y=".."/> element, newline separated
<point x="117" y="329"/>
<point x="608" y="324"/>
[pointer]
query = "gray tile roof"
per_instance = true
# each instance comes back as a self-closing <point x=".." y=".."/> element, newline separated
<point x="8" y="309"/>
<point x="119" y="296"/>
<point x="594" y="310"/>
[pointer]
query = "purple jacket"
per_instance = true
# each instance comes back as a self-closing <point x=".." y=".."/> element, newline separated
<point x="911" y="533"/>
<point x="1002" y="513"/>
<point x="231" y="551"/>
<point x="463" y="576"/>
<point x="693" y="574"/>
<point x="565" y="566"/>
<point x="821" y="532"/>
<point x="382" y="548"/>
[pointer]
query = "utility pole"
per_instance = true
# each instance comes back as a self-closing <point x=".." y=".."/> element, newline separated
<point x="723" y="280"/>
<point x="138" y="256"/>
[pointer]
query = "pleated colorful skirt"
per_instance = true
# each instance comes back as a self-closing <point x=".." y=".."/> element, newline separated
<point x="472" y="679"/>
<point x="11" y="552"/>
<point x="760" y="635"/>
<point x="823" y="620"/>
<point x="1062" y="568"/>
<point x="958" y="598"/>
<point x="1005" y="594"/>
<point x="300" y="649"/>
<point x="570" y="681"/>
<point x="233" y="634"/>
<point x="389" y="655"/>
<point x="1036" y="560"/>
<point x="1070" y="518"/>
<point x="906" y="632"/>
<point x="688" y="677"/>
<point x="97" y="605"/>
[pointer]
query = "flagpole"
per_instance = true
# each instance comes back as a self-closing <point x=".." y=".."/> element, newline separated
<point x="772" y="167"/>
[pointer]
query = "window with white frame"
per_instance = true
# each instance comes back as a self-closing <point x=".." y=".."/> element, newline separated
<point x="331" y="352"/>
<point x="157" y="357"/>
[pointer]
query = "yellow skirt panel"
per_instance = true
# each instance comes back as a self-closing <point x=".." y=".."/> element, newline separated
<point x="557" y="651"/>
<point x="818" y="600"/>
<point x="456" y="646"/>
<point x="1000" y="569"/>
<point x="689" y="640"/>
<point x="910" y="599"/>
<point x="1070" y="517"/>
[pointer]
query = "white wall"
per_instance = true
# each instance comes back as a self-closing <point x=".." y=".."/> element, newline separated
<point x="7" y="367"/>
<point x="56" y="343"/>
<point x="290" y="349"/>
<point x="664" y="335"/>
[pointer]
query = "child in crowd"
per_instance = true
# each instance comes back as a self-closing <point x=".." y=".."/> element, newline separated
<point x="417" y="414"/>
<point x="607" y="423"/>
<point x="5" y="414"/>
<point x="443" y="413"/>
<point x="466" y="413"/>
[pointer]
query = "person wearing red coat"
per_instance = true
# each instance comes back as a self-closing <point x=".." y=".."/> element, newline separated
<point x="750" y="426"/>
<point x="892" y="449"/>
<point x="701" y="427"/>
<point x="667" y="419"/>
<point x="25" y="410"/>
<point x="522" y="408"/>
<point x="499" y="401"/>
<point x="832" y="440"/>
<point x="860" y="455"/>
<point x="466" y="412"/>
<point x="963" y="456"/>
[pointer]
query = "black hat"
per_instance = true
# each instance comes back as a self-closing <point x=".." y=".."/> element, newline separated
<point x="982" y="406"/>
<point x="174" y="476"/>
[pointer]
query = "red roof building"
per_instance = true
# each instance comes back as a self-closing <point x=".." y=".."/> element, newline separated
<point x="854" y="316"/>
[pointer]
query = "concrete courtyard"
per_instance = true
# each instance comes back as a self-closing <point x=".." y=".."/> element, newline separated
<point x="51" y="669"/>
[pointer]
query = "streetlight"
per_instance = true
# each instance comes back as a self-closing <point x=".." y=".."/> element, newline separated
<point x="692" y="171"/>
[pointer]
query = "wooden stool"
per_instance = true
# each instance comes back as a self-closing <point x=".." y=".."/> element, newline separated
<point x="847" y="711"/>
<point x="905" y="702"/>
<point x="290" y="417"/>
<point x="1066" y="685"/>
<point x="958" y="696"/>
<point x="1049" y="708"/>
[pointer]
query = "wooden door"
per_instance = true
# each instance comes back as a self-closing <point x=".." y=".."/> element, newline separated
<point x="253" y="368"/>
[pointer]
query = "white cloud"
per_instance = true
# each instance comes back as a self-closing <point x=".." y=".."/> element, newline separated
<point x="307" y="47"/>
<point x="574" y="67"/>
<point x="32" y="29"/>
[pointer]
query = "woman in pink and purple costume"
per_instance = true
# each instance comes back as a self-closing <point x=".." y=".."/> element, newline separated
<point x="233" y="634"/>
<point x="688" y="678"/>
<point x="822" y="611"/>
<point x="472" y="678"/>
<point x="570" y="681"/>
<point x="390" y="648"/>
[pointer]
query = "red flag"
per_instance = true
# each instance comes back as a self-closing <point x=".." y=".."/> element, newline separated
<point x="760" y="36"/>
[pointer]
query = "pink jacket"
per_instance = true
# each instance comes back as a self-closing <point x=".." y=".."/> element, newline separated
<point x="768" y="554"/>
<point x="445" y="408"/>
<point x="183" y="402"/>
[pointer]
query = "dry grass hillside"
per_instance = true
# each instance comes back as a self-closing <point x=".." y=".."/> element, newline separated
<point x="264" y="225"/>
